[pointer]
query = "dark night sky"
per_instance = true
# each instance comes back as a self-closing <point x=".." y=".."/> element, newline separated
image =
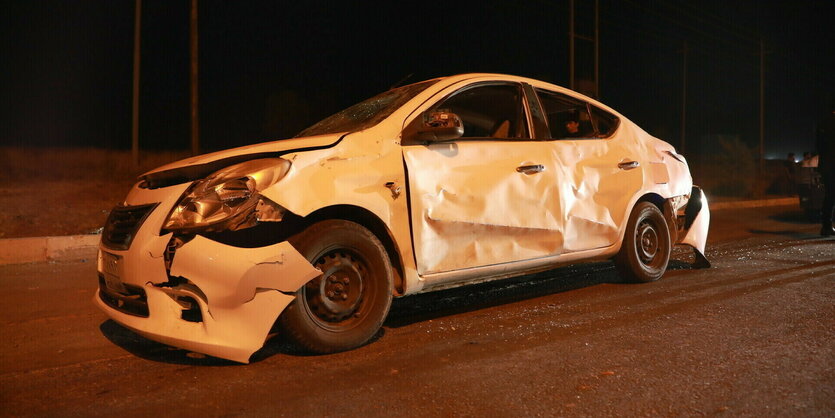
<point x="267" y="69"/>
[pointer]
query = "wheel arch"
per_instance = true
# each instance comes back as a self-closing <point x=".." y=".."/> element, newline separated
<point x="374" y="224"/>
<point x="653" y="198"/>
<point x="666" y="208"/>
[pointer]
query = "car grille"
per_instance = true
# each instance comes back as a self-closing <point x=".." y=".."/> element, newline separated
<point x="122" y="224"/>
<point x="132" y="302"/>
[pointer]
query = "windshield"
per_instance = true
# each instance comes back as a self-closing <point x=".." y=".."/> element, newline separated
<point x="366" y="113"/>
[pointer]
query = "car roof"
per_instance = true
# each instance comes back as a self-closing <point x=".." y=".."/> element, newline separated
<point x="447" y="81"/>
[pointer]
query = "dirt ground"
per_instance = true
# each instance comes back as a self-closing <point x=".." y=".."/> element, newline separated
<point x="54" y="191"/>
<point x="67" y="207"/>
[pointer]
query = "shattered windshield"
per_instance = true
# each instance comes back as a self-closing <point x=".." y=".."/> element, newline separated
<point x="366" y="113"/>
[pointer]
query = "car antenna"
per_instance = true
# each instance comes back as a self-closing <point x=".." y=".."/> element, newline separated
<point x="397" y="84"/>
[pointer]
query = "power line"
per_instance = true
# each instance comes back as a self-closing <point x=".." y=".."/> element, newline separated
<point x="674" y="43"/>
<point x="803" y="64"/>
<point x="682" y="25"/>
<point x="718" y="22"/>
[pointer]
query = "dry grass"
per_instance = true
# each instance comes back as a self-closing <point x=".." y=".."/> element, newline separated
<point x="739" y="179"/>
<point x="65" y="191"/>
<point x="21" y="164"/>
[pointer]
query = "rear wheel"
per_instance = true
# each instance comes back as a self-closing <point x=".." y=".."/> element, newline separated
<point x="345" y="307"/>
<point x="646" y="246"/>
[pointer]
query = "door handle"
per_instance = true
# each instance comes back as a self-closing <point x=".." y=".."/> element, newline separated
<point x="628" y="165"/>
<point x="530" y="168"/>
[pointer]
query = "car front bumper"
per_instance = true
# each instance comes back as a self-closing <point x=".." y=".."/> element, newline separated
<point x="200" y="295"/>
<point x="234" y="337"/>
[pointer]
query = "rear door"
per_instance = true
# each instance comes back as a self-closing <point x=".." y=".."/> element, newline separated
<point x="600" y="169"/>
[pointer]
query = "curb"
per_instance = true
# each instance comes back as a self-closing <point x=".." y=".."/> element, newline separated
<point x="783" y="201"/>
<point x="39" y="249"/>
<point x="81" y="247"/>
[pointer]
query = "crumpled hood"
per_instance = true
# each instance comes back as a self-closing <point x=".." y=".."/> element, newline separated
<point x="200" y="166"/>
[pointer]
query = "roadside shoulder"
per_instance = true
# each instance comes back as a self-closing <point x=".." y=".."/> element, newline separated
<point x="39" y="249"/>
<point x="739" y="204"/>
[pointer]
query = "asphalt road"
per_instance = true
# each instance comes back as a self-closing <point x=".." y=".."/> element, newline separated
<point x="752" y="336"/>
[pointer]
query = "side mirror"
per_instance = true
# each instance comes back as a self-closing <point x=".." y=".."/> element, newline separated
<point x="434" y="126"/>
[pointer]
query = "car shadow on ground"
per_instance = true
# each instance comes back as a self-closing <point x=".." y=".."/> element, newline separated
<point x="426" y="306"/>
<point x="277" y="345"/>
<point x="146" y="349"/>
<point x="151" y="350"/>
<point x="802" y="220"/>
<point x="796" y="217"/>
<point x="790" y="233"/>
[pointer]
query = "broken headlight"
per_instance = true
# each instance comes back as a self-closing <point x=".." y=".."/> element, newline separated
<point x="229" y="198"/>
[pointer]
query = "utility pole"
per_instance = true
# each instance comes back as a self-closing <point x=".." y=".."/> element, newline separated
<point x="571" y="44"/>
<point x="195" y="120"/>
<point x="684" y="99"/>
<point x="572" y="61"/>
<point x="137" y="34"/>
<point x="597" y="49"/>
<point x="762" y="105"/>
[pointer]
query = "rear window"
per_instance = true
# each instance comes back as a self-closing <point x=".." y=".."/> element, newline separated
<point x="572" y="118"/>
<point x="605" y="123"/>
<point x="568" y="118"/>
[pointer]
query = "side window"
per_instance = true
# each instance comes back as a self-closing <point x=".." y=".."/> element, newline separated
<point x="489" y="111"/>
<point x="605" y="123"/>
<point x="567" y="117"/>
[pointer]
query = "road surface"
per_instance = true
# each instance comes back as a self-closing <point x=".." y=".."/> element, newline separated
<point x="752" y="336"/>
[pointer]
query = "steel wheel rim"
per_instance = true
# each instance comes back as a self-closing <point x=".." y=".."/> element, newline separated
<point x="648" y="244"/>
<point x="336" y="300"/>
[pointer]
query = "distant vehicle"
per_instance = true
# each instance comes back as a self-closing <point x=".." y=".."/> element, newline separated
<point x="810" y="191"/>
<point x="427" y="186"/>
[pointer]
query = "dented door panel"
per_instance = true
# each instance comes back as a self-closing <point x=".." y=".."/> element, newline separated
<point x="472" y="207"/>
<point x="596" y="193"/>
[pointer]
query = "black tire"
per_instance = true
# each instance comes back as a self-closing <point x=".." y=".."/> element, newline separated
<point x="346" y="306"/>
<point x="646" y="246"/>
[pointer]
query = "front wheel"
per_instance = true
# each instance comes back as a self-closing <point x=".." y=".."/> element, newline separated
<point x="346" y="306"/>
<point x="646" y="246"/>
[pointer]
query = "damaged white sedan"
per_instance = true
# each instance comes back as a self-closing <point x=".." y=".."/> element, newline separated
<point x="431" y="185"/>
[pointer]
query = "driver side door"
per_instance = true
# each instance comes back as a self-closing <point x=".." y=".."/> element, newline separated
<point x="489" y="197"/>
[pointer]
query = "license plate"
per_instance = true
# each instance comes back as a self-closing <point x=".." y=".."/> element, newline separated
<point x="110" y="265"/>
